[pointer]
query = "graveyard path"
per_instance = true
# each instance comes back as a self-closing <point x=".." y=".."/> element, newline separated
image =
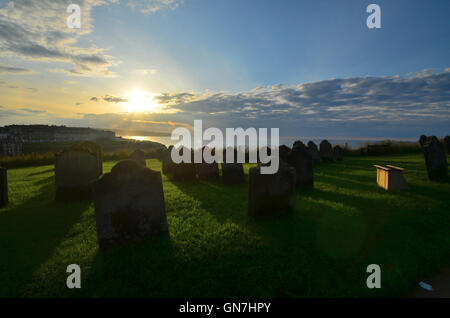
<point x="441" y="287"/>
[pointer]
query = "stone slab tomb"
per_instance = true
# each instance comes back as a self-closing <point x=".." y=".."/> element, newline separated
<point x="391" y="178"/>
<point x="129" y="205"/>
<point x="326" y="151"/>
<point x="300" y="158"/>
<point x="271" y="194"/>
<point x="139" y="156"/>
<point x="3" y="187"/>
<point x="435" y="159"/>
<point x="76" y="169"/>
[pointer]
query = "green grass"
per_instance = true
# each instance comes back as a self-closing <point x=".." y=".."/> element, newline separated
<point x="322" y="249"/>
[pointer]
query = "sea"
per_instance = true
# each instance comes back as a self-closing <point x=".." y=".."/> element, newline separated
<point x="350" y="142"/>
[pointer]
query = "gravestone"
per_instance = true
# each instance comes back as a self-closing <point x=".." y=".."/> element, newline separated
<point x="3" y="187"/>
<point x="208" y="171"/>
<point x="314" y="151"/>
<point x="326" y="151"/>
<point x="435" y="159"/>
<point x="129" y="205"/>
<point x="338" y="153"/>
<point x="233" y="173"/>
<point x="93" y="148"/>
<point x="271" y="194"/>
<point x="75" y="170"/>
<point x="422" y="140"/>
<point x="283" y="152"/>
<point x="139" y="156"/>
<point x="447" y="143"/>
<point x="167" y="163"/>
<point x="184" y="171"/>
<point x="300" y="158"/>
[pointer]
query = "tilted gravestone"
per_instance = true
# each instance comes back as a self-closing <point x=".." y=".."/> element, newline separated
<point x="435" y="159"/>
<point x="338" y="153"/>
<point x="166" y="159"/>
<point x="271" y="194"/>
<point x="129" y="205"/>
<point x="314" y="151"/>
<point x="326" y="151"/>
<point x="300" y="158"/>
<point x="139" y="156"/>
<point x="447" y="143"/>
<point x="283" y="152"/>
<point x="3" y="187"/>
<point x="75" y="170"/>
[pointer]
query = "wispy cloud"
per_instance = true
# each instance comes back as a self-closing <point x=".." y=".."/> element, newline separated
<point x="152" y="6"/>
<point x="364" y="106"/>
<point x="37" y="30"/>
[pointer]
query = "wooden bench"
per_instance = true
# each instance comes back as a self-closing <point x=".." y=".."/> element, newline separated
<point x="391" y="178"/>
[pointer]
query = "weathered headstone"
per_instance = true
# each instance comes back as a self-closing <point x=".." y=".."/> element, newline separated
<point x="233" y="173"/>
<point x="300" y="158"/>
<point x="283" y="152"/>
<point x="447" y="143"/>
<point x="271" y="194"/>
<point x="129" y="205"/>
<point x="139" y="156"/>
<point x="75" y="170"/>
<point x="3" y="187"/>
<point x="435" y="159"/>
<point x="326" y="151"/>
<point x="338" y="153"/>
<point x="314" y="151"/>
<point x="93" y="148"/>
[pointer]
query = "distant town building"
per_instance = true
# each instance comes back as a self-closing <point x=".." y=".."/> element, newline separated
<point x="11" y="145"/>
<point x="45" y="133"/>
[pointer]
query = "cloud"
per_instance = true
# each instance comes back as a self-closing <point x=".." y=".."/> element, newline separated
<point x="37" y="30"/>
<point x="114" y="99"/>
<point x="152" y="6"/>
<point x="358" y="106"/>
<point x="93" y="99"/>
<point x="145" y="72"/>
<point x="12" y="69"/>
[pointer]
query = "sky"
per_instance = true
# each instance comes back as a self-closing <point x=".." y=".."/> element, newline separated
<point x="310" y="68"/>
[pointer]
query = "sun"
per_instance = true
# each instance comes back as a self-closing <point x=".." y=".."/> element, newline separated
<point x="140" y="101"/>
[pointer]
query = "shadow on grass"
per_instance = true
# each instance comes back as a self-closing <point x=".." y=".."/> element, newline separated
<point x="140" y="269"/>
<point x="29" y="233"/>
<point x="41" y="172"/>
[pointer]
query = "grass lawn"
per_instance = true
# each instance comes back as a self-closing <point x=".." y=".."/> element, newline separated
<point x="322" y="249"/>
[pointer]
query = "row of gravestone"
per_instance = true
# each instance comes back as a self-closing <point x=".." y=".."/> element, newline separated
<point x="129" y="201"/>
<point x="435" y="157"/>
